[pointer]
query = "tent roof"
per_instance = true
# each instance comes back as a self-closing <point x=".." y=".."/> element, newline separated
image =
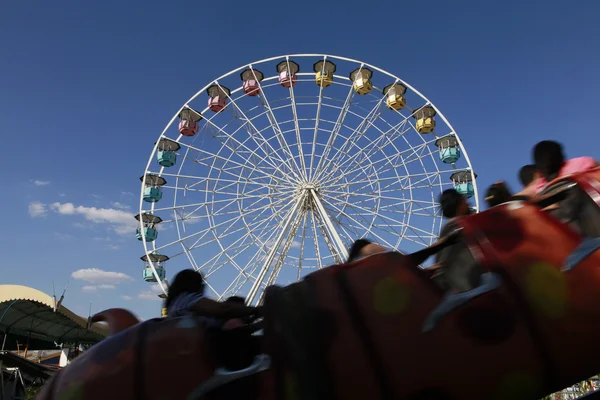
<point x="27" y="311"/>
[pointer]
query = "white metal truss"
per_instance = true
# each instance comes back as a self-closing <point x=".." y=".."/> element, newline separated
<point x="280" y="184"/>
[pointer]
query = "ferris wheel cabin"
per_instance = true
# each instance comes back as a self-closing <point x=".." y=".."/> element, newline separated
<point x="166" y="154"/>
<point x="425" y="117"/>
<point x="251" y="79"/>
<point x="218" y="95"/>
<point x="448" y="149"/>
<point x="324" y="72"/>
<point x="361" y="80"/>
<point x="147" y="231"/>
<point x="463" y="183"/>
<point x="287" y="71"/>
<point x="152" y="187"/>
<point x="188" y="121"/>
<point x="157" y="260"/>
<point x="394" y="96"/>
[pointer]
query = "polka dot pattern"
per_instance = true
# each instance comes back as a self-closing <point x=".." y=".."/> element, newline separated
<point x="547" y="290"/>
<point x="390" y="296"/>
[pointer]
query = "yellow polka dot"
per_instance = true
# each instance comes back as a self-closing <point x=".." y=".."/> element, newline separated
<point x="390" y="297"/>
<point x="516" y="386"/>
<point x="547" y="290"/>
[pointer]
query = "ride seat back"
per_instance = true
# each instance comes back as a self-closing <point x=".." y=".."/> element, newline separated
<point x="575" y="207"/>
<point x="460" y="272"/>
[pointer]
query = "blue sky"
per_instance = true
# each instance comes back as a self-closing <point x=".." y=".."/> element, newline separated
<point x="85" y="91"/>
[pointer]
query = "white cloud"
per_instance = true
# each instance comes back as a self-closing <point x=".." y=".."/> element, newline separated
<point x="156" y="288"/>
<point x="97" y="276"/>
<point x="121" y="222"/>
<point x="95" y="288"/>
<point x="296" y="244"/>
<point x="37" y="209"/>
<point x="126" y="298"/>
<point x="62" y="194"/>
<point x="41" y="183"/>
<point x="120" y="206"/>
<point x="63" y="236"/>
<point x="113" y="247"/>
<point x="148" y="295"/>
<point x="128" y="194"/>
<point x="106" y="286"/>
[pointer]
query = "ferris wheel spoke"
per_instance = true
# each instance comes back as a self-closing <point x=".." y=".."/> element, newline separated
<point x="302" y="244"/>
<point x="367" y="151"/>
<point x="336" y="128"/>
<point x="384" y="217"/>
<point x="297" y="129"/>
<point x="257" y="136"/>
<point x="358" y="224"/>
<point x="264" y="270"/>
<point x="212" y="265"/>
<point x="215" y="156"/>
<point x="252" y="227"/>
<point x="334" y="175"/>
<point x="231" y="138"/>
<point x="316" y="241"/>
<point x="335" y="238"/>
<point x="276" y="128"/>
<point x="355" y="134"/>
<point x="316" y="130"/>
<point x="327" y="239"/>
<point x="249" y="226"/>
<point x="286" y="245"/>
<point x="353" y="211"/>
<point x="350" y="236"/>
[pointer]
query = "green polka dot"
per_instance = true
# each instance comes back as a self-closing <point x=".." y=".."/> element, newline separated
<point x="517" y="386"/>
<point x="547" y="290"/>
<point x="390" y="296"/>
<point x="72" y="392"/>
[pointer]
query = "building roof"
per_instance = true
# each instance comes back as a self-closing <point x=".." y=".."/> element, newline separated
<point x="10" y="360"/>
<point x="28" y="312"/>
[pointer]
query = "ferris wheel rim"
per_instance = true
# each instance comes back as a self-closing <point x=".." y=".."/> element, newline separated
<point x="150" y="247"/>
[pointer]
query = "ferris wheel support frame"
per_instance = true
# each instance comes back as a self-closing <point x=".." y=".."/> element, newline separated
<point x="332" y="231"/>
<point x="320" y="210"/>
<point x="263" y="272"/>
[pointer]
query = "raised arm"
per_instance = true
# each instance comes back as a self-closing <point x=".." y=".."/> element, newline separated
<point x="211" y="308"/>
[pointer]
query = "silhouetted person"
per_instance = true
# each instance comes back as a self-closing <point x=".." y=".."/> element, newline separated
<point x="497" y="194"/>
<point x="363" y="248"/>
<point x="186" y="295"/>
<point x="453" y="204"/>
<point x="458" y="271"/>
<point x="550" y="162"/>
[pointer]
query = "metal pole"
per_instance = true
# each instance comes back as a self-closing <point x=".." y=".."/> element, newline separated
<point x="263" y="272"/>
<point x="335" y="236"/>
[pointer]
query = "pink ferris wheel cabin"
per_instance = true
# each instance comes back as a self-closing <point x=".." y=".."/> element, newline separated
<point x="188" y="121"/>
<point x="217" y="97"/>
<point x="287" y="73"/>
<point x="252" y="79"/>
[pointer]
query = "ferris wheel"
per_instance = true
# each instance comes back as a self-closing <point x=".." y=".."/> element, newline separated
<point x="272" y="170"/>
